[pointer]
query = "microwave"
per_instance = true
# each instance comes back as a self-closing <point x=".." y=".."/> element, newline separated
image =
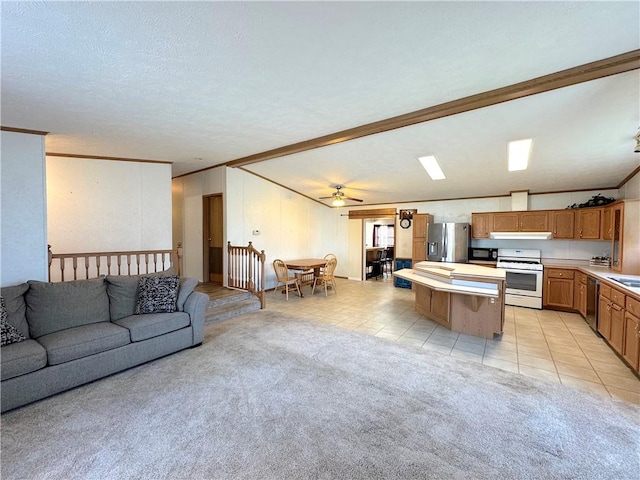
<point x="487" y="254"/>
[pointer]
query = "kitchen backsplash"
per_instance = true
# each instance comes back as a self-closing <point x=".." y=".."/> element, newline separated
<point x="560" y="249"/>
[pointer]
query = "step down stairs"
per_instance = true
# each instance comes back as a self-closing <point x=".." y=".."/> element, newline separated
<point x="231" y="306"/>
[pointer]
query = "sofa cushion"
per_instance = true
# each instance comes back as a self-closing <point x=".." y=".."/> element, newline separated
<point x="73" y="343"/>
<point x="157" y="294"/>
<point x="16" y="306"/>
<point x="142" y="327"/>
<point x="57" y="306"/>
<point x="187" y="285"/>
<point x="123" y="293"/>
<point x="21" y="358"/>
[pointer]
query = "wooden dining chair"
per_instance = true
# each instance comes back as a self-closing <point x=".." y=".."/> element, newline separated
<point x="328" y="257"/>
<point x="283" y="277"/>
<point x="326" y="276"/>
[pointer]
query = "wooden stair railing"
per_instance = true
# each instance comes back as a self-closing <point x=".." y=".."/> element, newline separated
<point x="94" y="264"/>
<point x="246" y="270"/>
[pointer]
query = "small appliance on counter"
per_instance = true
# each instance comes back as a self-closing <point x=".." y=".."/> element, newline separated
<point x="600" y="261"/>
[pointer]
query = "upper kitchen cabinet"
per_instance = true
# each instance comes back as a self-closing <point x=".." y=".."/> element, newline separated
<point x="563" y="224"/>
<point x="420" y="227"/>
<point x="481" y="225"/>
<point x="617" y="232"/>
<point x="529" y="221"/>
<point x="588" y="223"/>
<point x="606" y="225"/>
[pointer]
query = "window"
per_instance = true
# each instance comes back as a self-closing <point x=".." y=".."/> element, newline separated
<point x="383" y="236"/>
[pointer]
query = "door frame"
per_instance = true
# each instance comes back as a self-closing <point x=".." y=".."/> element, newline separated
<point x="206" y="234"/>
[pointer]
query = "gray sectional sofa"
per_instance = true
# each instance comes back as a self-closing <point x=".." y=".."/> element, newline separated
<point x="76" y="332"/>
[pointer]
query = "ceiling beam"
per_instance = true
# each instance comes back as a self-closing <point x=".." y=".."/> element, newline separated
<point x="572" y="76"/>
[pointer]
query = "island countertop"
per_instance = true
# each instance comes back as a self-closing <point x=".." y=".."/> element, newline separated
<point x="461" y="278"/>
<point x="462" y="297"/>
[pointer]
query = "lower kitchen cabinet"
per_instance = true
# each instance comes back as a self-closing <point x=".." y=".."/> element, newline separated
<point x="618" y="313"/>
<point x="558" y="290"/>
<point x="580" y="296"/>
<point x="631" y="351"/>
<point x="604" y="317"/>
<point x="611" y="317"/>
<point x="616" y="337"/>
<point x="433" y="304"/>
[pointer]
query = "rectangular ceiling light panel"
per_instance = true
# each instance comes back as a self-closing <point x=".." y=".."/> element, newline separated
<point x="519" y="152"/>
<point x="432" y="167"/>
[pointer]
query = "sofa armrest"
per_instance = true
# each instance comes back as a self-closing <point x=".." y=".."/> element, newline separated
<point x="195" y="306"/>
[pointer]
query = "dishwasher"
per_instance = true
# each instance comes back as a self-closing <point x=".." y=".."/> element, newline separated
<point x="593" y="292"/>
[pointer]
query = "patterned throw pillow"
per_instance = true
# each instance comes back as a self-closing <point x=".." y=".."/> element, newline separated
<point x="157" y="294"/>
<point x="10" y="334"/>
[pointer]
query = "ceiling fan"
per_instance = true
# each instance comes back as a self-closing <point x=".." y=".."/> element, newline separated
<point x="339" y="197"/>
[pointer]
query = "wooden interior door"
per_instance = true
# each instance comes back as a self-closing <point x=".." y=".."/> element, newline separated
<point x="213" y="241"/>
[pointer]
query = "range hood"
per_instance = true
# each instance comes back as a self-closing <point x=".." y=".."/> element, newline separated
<point x="520" y="235"/>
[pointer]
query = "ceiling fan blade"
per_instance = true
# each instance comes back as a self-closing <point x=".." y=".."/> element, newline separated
<point x="354" y="199"/>
<point x="324" y="198"/>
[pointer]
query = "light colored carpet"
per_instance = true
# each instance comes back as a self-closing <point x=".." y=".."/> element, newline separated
<point x="272" y="397"/>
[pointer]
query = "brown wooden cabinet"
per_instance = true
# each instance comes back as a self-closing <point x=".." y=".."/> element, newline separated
<point x="606" y="225"/>
<point x="534" y="221"/>
<point x="563" y="224"/>
<point x="631" y="348"/>
<point x="617" y="236"/>
<point x="481" y="225"/>
<point x="558" y="291"/>
<point x="604" y="316"/>
<point x="580" y="296"/>
<point x="593" y="223"/>
<point x="433" y="304"/>
<point x="420" y="226"/>
<point x="530" y="221"/>
<point x="506" y="222"/>
<point x="616" y="337"/>
<point x="611" y="316"/>
<point x="588" y="223"/>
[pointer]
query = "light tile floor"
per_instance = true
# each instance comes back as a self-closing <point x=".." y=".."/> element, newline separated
<point x="554" y="346"/>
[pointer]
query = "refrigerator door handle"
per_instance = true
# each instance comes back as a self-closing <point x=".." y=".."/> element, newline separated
<point x="445" y="250"/>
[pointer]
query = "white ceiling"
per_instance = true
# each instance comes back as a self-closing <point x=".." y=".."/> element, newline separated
<point x="204" y="83"/>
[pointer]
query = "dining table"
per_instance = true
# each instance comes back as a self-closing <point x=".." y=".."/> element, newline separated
<point x="303" y="265"/>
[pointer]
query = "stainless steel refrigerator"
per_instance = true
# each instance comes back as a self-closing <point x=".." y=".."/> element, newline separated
<point x="448" y="242"/>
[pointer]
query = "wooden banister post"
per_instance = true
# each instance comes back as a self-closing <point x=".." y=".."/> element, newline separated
<point x="179" y="258"/>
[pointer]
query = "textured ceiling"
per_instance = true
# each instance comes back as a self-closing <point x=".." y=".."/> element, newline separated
<point x="204" y="83"/>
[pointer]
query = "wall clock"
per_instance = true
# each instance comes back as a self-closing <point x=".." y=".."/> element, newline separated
<point x="405" y="223"/>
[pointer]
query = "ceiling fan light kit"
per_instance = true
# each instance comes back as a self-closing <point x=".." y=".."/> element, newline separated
<point x="339" y="197"/>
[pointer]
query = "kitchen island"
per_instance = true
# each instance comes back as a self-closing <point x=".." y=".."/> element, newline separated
<point x="462" y="297"/>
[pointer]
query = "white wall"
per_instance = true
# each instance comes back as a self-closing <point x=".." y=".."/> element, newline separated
<point x="23" y="209"/>
<point x="104" y="205"/>
<point x="631" y="189"/>
<point x="290" y="226"/>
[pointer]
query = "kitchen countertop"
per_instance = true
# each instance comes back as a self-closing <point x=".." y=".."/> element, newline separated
<point x="461" y="278"/>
